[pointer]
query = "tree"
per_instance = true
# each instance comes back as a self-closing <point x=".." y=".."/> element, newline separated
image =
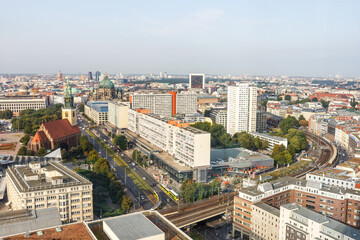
<point x="81" y="107"/>
<point x="22" y="151"/>
<point x="27" y="129"/>
<point x="325" y="104"/>
<point x="6" y="114"/>
<point x="288" y="123"/>
<point x="353" y="103"/>
<point x="85" y="144"/>
<point x="314" y="99"/>
<point x="207" y="113"/>
<point x="30" y="152"/>
<point x="25" y="139"/>
<point x="121" y="142"/>
<point x="126" y="203"/>
<point x="41" y="152"/>
<point x="301" y="117"/>
<point x="303" y="123"/>
<point x="288" y="97"/>
<point x="93" y="156"/>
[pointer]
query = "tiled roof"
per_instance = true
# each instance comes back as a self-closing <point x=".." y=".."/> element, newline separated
<point x="60" y="128"/>
<point x="40" y="136"/>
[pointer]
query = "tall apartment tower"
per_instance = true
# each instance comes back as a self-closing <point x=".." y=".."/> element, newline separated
<point x="241" y="108"/>
<point x="90" y="76"/>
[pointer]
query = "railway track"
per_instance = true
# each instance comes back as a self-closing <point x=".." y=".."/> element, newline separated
<point x="193" y="212"/>
<point x="328" y="155"/>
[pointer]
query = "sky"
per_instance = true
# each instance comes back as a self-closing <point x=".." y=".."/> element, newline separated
<point x="273" y="37"/>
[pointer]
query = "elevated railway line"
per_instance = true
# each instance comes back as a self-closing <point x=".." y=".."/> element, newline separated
<point x="328" y="154"/>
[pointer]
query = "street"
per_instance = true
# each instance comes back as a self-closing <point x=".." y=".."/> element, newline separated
<point x="135" y="191"/>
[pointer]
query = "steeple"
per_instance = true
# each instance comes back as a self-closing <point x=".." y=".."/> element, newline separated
<point x="68" y="97"/>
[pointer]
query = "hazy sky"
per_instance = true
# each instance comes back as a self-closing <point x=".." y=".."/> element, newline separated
<point x="308" y="38"/>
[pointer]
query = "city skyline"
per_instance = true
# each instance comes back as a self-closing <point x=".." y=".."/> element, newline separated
<point x="262" y="38"/>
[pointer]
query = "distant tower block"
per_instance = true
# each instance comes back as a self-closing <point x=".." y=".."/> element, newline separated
<point x="197" y="80"/>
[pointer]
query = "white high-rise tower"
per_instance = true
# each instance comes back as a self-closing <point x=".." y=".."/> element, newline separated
<point x="241" y="108"/>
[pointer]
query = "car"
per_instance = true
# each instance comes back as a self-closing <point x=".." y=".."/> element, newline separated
<point x="142" y="197"/>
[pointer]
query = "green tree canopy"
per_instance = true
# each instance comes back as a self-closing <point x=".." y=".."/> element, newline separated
<point x="121" y="142"/>
<point x="314" y="99"/>
<point x="288" y="97"/>
<point x="41" y="152"/>
<point x="81" y="107"/>
<point x="288" y="123"/>
<point x="22" y="151"/>
<point x="6" y="114"/>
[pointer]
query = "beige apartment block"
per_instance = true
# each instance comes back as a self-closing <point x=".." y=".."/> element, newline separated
<point x="40" y="186"/>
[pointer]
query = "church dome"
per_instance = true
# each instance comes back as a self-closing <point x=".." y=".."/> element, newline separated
<point x="23" y="88"/>
<point x="106" y="83"/>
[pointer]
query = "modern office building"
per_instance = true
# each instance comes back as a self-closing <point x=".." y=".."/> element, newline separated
<point x="97" y="76"/>
<point x="187" y="146"/>
<point x="297" y="222"/>
<point x="219" y="117"/>
<point x="20" y="103"/>
<point x="39" y="186"/>
<point x="197" y="80"/>
<point x="273" y="140"/>
<point x="340" y="203"/>
<point x="118" y="114"/>
<point x="166" y="105"/>
<point x="97" y="111"/>
<point x="241" y="108"/>
<point x="90" y="77"/>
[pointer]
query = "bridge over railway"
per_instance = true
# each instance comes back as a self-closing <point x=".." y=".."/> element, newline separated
<point x="192" y="213"/>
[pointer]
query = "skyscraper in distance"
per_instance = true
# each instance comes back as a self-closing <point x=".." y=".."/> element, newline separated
<point x="241" y="108"/>
<point x="196" y="80"/>
<point x="90" y="76"/>
<point x="97" y="76"/>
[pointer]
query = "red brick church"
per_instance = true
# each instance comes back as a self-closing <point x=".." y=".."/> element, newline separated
<point x="51" y="134"/>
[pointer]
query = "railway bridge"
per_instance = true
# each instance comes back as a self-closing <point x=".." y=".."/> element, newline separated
<point x="188" y="214"/>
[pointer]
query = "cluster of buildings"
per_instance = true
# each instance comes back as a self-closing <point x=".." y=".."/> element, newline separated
<point x="324" y="204"/>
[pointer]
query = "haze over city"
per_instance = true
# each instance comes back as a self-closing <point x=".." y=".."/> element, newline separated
<point x="302" y="38"/>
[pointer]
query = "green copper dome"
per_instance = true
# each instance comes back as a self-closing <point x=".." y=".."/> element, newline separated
<point x="106" y="83"/>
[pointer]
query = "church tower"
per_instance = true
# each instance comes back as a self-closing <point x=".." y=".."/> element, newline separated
<point x="69" y="112"/>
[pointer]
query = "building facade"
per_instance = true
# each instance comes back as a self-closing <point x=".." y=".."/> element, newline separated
<point x="197" y="80"/>
<point x="21" y="103"/>
<point x="273" y="140"/>
<point x="219" y="117"/>
<point x="97" y="111"/>
<point x="301" y="223"/>
<point x="37" y="186"/>
<point x="339" y="203"/>
<point x="261" y="121"/>
<point x="241" y="108"/>
<point x="118" y="114"/>
<point x="166" y="105"/>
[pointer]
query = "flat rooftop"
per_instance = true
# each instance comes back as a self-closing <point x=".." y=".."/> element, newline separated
<point x="74" y="231"/>
<point x="266" y="135"/>
<point x="333" y="173"/>
<point x="286" y="181"/>
<point x="270" y="209"/>
<point x="28" y="179"/>
<point x="132" y="227"/>
<point x="22" y="221"/>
